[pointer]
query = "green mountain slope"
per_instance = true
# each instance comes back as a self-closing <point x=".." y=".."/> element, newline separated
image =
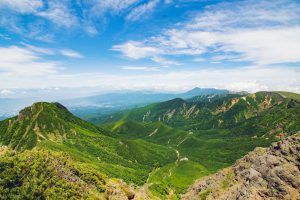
<point x="206" y="150"/>
<point x="248" y="121"/>
<point x="42" y="174"/>
<point x="39" y="122"/>
<point x="93" y="107"/>
<point x="279" y="120"/>
<point x="163" y="147"/>
<point x="51" y="126"/>
<point x="218" y="111"/>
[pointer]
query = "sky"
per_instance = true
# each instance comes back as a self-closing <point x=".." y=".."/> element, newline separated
<point x="161" y="45"/>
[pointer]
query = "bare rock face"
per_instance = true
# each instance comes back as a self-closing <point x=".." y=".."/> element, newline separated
<point x="119" y="190"/>
<point x="272" y="173"/>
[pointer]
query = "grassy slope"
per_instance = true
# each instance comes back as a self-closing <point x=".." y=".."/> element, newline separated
<point x="261" y="113"/>
<point x="202" y="113"/>
<point x="43" y="174"/>
<point x="48" y="126"/>
<point x="289" y="95"/>
<point x="215" y="148"/>
<point x="176" y="177"/>
<point x="209" y="150"/>
<point x="131" y="150"/>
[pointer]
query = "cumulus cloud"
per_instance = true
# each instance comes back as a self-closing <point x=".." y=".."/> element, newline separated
<point x="265" y="46"/>
<point x="29" y="61"/>
<point x="249" y="79"/>
<point x="259" y="32"/>
<point x="136" y="50"/>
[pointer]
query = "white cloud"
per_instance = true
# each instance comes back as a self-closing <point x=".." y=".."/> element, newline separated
<point x="60" y="14"/>
<point x="10" y="23"/>
<point x="249" y="79"/>
<point x="199" y="59"/>
<point x="261" y="46"/>
<point x="90" y="30"/>
<point x="164" y="61"/>
<point x="95" y="13"/>
<point x="6" y="92"/>
<point x="101" y="6"/>
<point x="88" y="16"/>
<point x="140" y="68"/>
<point x="17" y="61"/>
<point x="249" y="13"/>
<point x="48" y="51"/>
<point x="136" y="50"/>
<point x="266" y="46"/>
<point x="39" y="32"/>
<point x="168" y="1"/>
<point x="38" y="49"/>
<point x="4" y="37"/>
<point x="22" y="6"/>
<point x="71" y="53"/>
<point x="141" y="10"/>
<point x="262" y="33"/>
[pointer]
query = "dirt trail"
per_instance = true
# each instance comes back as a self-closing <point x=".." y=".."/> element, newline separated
<point x="176" y="162"/>
<point x="178" y="154"/>
<point x="30" y="125"/>
<point x="155" y="131"/>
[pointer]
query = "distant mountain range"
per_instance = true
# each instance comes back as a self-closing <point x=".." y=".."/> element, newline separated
<point x="112" y="102"/>
<point x="218" y="111"/>
<point x="103" y="103"/>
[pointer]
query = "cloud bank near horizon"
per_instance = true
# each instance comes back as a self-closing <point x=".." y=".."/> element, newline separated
<point x="241" y="45"/>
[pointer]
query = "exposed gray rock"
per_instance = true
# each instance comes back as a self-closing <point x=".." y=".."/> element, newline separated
<point x="271" y="173"/>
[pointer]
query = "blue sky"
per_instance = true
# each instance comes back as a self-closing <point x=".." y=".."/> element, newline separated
<point x="169" y="45"/>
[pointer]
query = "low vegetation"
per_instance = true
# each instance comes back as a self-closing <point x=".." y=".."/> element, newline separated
<point x="164" y="147"/>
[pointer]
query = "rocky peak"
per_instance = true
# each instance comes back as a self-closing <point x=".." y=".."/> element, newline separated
<point x="272" y="173"/>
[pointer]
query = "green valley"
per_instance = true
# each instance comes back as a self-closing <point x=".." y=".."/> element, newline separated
<point x="149" y="99"/>
<point x="153" y="152"/>
<point x="51" y="126"/>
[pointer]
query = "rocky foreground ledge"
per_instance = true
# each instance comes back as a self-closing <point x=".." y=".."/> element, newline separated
<point x="265" y="173"/>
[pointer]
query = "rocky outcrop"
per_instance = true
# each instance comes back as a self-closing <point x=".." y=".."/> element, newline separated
<point x="272" y="173"/>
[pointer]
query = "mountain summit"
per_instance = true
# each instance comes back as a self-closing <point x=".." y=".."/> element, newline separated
<point x="203" y="92"/>
<point x="51" y="126"/>
<point x="159" y="149"/>
<point x="41" y="121"/>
